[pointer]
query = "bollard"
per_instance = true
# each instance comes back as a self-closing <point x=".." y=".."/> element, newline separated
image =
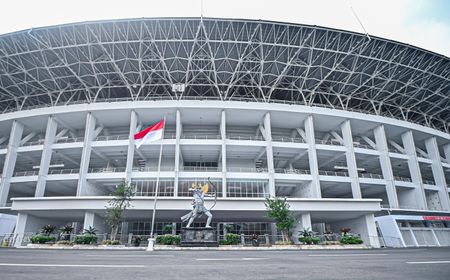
<point x="242" y="240"/>
<point x="151" y="244"/>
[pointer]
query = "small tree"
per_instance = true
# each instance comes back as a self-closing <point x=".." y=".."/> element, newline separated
<point x="278" y="209"/>
<point x="117" y="205"/>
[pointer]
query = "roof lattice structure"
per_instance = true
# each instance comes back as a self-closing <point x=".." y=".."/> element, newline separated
<point x="223" y="59"/>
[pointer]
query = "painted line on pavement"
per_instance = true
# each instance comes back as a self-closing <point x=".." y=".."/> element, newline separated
<point x="345" y="255"/>
<point x="232" y="259"/>
<point x="70" y="265"/>
<point x="429" y="262"/>
<point x="137" y="255"/>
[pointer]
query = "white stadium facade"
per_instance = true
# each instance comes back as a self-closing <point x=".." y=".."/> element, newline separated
<point x="353" y="130"/>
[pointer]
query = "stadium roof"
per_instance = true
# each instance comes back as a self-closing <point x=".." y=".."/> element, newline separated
<point x="223" y="59"/>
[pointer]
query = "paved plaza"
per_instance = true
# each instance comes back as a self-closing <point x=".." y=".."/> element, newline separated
<point x="423" y="263"/>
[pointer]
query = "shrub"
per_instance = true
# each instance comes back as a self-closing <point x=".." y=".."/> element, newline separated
<point x="167" y="229"/>
<point x="42" y="239"/>
<point x="168" y="239"/>
<point x="48" y="229"/>
<point x="351" y="239"/>
<point x="110" y="242"/>
<point x="230" y="239"/>
<point x="309" y="239"/>
<point x="85" y="239"/>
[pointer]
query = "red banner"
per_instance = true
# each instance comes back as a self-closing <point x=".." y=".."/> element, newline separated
<point x="436" y="218"/>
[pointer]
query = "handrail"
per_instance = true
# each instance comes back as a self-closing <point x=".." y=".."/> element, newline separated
<point x="201" y="169"/>
<point x="245" y="137"/>
<point x="328" y="142"/>
<point x="106" y="170"/>
<point x="247" y="169"/>
<point x="64" y="171"/>
<point x="428" y="182"/>
<point x="70" y="140"/>
<point x="371" y="175"/>
<point x="363" y="146"/>
<point x="200" y="136"/>
<point x="403" y="179"/>
<point x="292" y="171"/>
<point x="278" y="138"/>
<point x="333" y="173"/>
<point x="26" y="173"/>
<point x="112" y="137"/>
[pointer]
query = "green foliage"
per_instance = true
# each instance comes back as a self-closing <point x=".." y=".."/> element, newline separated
<point x="111" y="242"/>
<point x="344" y="231"/>
<point x="309" y="239"/>
<point x="85" y="239"/>
<point x="42" y="239"/>
<point x="168" y="239"/>
<point x="306" y="232"/>
<point x="278" y="209"/>
<point x="67" y="229"/>
<point x="230" y="239"/>
<point x="48" y="229"/>
<point x="90" y="230"/>
<point x="351" y="239"/>
<point x="167" y="229"/>
<point x="228" y="227"/>
<point x="117" y="205"/>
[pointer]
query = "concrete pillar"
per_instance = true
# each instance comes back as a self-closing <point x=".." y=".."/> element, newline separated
<point x="131" y="147"/>
<point x="86" y="154"/>
<point x="303" y="222"/>
<point x="447" y="152"/>
<point x="269" y="153"/>
<point x="366" y="228"/>
<point x="223" y="133"/>
<point x="351" y="159"/>
<point x="414" y="169"/>
<point x="20" y="228"/>
<point x="386" y="166"/>
<point x="93" y="220"/>
<point x="46" y="157"/>
<point x="10" y="161"/>
<point x="178" y="130"/>
<point x="312" y="156"/>
<point x="438" y="172"/>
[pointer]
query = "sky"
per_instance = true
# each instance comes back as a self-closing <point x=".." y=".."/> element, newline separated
<point x="422" y="23"/>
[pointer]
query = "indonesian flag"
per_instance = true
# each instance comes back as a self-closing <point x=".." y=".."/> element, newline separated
<point x="150" y="134"/>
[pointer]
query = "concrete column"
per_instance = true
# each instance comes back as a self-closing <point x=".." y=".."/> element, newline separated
<point x="86" y="154"/>
<point x="386" y="166"/>
<point x="438" y="172"/>
<point x="93" y="220"/>
<point x="131" y="147"/>
<point x="10" y="161"/>
<point x="223" y="133"/>
<point x="303" y="222"/>
<point x="312" y="156"/>
<point x="178" y="130"/>
<point x="414" y="169"/>
<point x="20" y="228"/>
<point x="46" y="157"/>
<point x="366" y="228"/>
<point x="351" y="159"/>
<point x="269" y="153"/>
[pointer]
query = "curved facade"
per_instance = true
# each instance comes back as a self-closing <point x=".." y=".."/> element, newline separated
<point x="363" y="131"/>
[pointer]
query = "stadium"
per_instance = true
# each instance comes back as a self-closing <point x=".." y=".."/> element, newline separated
<point x="352" y="129"/>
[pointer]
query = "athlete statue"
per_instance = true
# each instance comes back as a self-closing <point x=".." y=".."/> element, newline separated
<point x="199" y="205"/>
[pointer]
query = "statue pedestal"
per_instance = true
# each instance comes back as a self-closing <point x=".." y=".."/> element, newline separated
<point x="199" y="237"/>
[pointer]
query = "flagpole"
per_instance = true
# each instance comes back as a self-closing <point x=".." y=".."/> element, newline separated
<point x="157" y="180"/>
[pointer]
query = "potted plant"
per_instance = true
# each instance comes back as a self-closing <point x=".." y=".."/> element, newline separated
<point x="255" y="241"/>
<point x="65" y="232"/>
<point x="137" y="240"/>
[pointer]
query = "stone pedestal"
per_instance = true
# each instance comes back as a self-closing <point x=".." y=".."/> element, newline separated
<point x="199" y="237"/>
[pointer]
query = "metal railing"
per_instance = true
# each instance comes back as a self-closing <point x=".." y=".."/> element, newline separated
<point x="26" y="173"/>
<point x="106" y="170"/>
<point x="112" y="138"/>
<point x="333" y="173"/>
<point x="245" y="137"/>
<point x="33" y="143"/>
<point x="64" y="171"/>
<point x="291" y="171"/>
<point x="69" y="140"/>
<point x="370" y="175"/>
<point x="247" y="169"/>
<point x="152" y="168"/>
<point x="329" y="142"/>
<point x="364" y="146"/>
<point x="429" y="182"/>
<point x="403" y="179"/>
<point x="201" y="169"/>
<point x="200" y="136"/>
<point x="277" y="138"/>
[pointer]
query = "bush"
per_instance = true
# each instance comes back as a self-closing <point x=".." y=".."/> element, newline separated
<point x="110" y="242"/>
<point x="351" y="239"/>
<point x="42" y="239"/>
<point x="230" y="239"/>
<point x="168" y="239"/>
<point x="85" y="239"/>
<point x="309" y="239"/>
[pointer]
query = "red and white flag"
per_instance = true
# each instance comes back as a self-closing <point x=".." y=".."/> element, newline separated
<point x="150" y="134"/>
